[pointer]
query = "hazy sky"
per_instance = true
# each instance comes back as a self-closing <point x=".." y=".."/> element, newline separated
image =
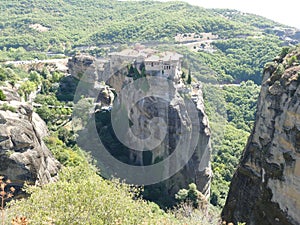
<point x="283" y="11"/>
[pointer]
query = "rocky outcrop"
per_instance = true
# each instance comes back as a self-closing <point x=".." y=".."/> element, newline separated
<point x="90" y="73"/>
<point x="265" y="189"/>
<point x="10" y="93"/>
<point x="178" y="138"/>
<point x="105" y="96"/>
<point x="198" y="168"/>
<point x="87" y="67"/>
<point x="166" y="104"/>
<point x="24" y="156"/>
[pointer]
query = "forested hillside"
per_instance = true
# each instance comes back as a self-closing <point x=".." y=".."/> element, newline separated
<point x="231" y="110"/>
<point x="243" y="45"/>
<point x="69" y="23"/>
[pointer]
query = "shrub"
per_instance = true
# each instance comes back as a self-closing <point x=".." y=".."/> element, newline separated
<point x="5" y="194"/>
<point x="280" y="70"/>
<point x="83" y="197"/>
<point x="292" y="60"/>
<point x="2" y="96"/>
<point x="6" y="107"/>
<point x="192" y="195"/>
<point x="66" y="155"/>
<point x="284" y="52"/>
<point x="186" y="214"/>
<point x="35" y="77"/>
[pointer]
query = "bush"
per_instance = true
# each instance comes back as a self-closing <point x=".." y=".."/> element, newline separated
<point x="6" y="107"/>
<point x="2" y="96"/>
<point x="192" y="195"/>
<point x="280" y="70"/>
<point x="186" y="214"/>
<point x="284" y="52"/>
<point x="83" y="197"/>
<point x="65" y="155"/>
<point x="35" y="77"/>
<point x="292" y="60"/>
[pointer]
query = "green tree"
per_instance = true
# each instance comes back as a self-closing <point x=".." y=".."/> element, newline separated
<point x="3" y="75"/>
<point x="81" y="196"/>
<point x="66" y="136"/>
<point x="35" y="77"/>
<point x="183" y="75"/>
<point x="46" y="86"/>
<point x="189" y="78"/>
<point x="192" y="195"/>
<point x="56" y="76"/>
<point x="27" y="88"/>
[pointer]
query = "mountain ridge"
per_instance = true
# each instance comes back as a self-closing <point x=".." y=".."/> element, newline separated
<point x="74" y="23"/>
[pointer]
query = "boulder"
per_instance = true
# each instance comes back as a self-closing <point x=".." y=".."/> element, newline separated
<point x="24" y="156"/>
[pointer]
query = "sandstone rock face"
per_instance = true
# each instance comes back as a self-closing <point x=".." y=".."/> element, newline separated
<point x="24" y="156"/>
<point x="91" y="73"/>
<point x="179" y="124"/>
<point x="87" y="67"/>
<point x="198" y="169"/>
<point x="265" y="189"/>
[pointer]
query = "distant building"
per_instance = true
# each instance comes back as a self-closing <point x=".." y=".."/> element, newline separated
<point x="166" y="64"/>
<point x="194" y="37"/>
<point x="130" y="55"/>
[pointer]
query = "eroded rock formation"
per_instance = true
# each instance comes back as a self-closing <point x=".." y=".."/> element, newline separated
<point x="172" y="111"/>
<point x="265" y="189"/>
<point x="24" y="156"/>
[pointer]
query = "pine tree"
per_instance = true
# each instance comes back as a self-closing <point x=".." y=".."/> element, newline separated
<point x="189" y="79"/>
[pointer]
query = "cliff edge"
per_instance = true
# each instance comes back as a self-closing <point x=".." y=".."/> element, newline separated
<point x="265" y="189"/>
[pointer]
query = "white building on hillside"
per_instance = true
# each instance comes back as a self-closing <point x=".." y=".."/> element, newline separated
<point x="130" y="56"/>
<point x="166" y="64"/>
